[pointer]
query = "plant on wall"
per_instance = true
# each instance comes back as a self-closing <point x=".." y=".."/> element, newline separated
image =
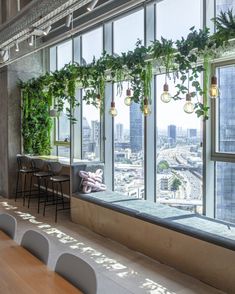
<point x="183" y="60"/>
<point x="36" y="122"/>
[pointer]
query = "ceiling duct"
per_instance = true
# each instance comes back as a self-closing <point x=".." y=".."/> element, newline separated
<point x="4" y="56"/>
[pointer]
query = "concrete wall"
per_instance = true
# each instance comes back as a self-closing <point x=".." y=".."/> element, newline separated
<point x="10" y="116"/>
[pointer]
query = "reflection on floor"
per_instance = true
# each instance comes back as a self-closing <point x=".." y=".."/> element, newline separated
<point x="119" y="269"/>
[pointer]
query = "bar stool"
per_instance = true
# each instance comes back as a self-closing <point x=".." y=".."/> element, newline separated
<point x="57" y="182"/>
<point x="42" y="178"/>
<point x="26" y="168"/>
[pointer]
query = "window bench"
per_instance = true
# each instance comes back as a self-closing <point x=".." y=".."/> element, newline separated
<point x="194" y="244"/>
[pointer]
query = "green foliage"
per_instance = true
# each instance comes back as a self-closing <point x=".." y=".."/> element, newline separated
<point x="225" y="27"/>
<point x="175" y="184"/>
<point x="36" y="122"/>
<point x="162" y="165"/>
<point x="181" y="59"/>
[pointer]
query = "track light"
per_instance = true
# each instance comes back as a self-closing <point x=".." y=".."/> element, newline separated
<point x="47" y="30"/>
<point x="31" y="40"/>
<point x="92" y="5"/>
<point x="69" y="19"/>
<point x="17" y="48"/>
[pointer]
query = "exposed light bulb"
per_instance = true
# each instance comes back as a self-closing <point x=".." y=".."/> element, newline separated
<point x="113" y="110"/>
<point x="166" y="97"/>
<point x="147" y="110"/>
<point x="214" y="90"/>
<point x="128" y="100"/>
<point x="189" y="105"/>
<point x="17" y="48"/>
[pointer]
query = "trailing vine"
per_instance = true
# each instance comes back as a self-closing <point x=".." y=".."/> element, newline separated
<point x="184" y="60"/>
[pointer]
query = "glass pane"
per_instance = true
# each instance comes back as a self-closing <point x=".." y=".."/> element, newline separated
<point x="64" y="151"/>
<point x="179" y="154"/>
<point x="127" y="31"/>
<point x="224" y="5"/>
<point x="91" y="133"/>
<point x="225" y="191"/>
<point x="64" y="54"/>
<point x="128" y="148"/>
<point x="226" y="109"/>
<point x="175" y="18"/>
<point x="63" y="125"/>
<point x="92" y="45"/>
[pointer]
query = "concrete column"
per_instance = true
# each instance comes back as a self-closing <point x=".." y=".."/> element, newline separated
<point x="10" y="116"/>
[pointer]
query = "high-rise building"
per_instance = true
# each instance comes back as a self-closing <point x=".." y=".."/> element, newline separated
<point x="95" y="131"/>
<point x="86" y="138"/>
<point x="119" y="136"/>
<point x="225" y="172"/>
<point x="136" y="128"/>
<point x="191" y="133"/>
<point x="171" y="132"/>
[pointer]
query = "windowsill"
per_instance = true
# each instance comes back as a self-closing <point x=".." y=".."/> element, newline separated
<point x="197" y="226"/>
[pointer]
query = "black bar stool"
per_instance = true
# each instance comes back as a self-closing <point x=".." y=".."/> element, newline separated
<point x="42" y="178"/>
<point x="57" y="181"/>
<point x="25" y="169"/>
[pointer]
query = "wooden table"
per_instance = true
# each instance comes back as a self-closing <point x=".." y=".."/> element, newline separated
<point x="23" y="273"/>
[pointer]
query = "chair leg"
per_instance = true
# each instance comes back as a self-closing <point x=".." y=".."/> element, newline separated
<point x="39" y="193"/>
<point x="30" y="190"/>
<point x="17" y="185"/>
<point x="56" y="203"/>
<point x="62" y="195"/>
<point x="46" y="198"/>
<point x="25" y="185"/>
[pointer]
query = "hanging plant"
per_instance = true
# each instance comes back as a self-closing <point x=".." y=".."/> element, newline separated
<point x="182" y="59"/>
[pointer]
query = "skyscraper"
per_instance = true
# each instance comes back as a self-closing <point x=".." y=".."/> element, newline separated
<point x="119" y="136"/>
<point x="86" y="136"/>
<point x="225" y="171"/>
<point x="136" y="128"/>
<point x="171" y="132"/>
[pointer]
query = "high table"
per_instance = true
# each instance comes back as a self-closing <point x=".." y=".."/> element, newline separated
<point x="23" y="273"/>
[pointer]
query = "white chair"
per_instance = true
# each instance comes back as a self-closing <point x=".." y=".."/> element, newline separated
<point x="8" y="224"/>
<point x="37" y="244"/>
<point x="77" y="272"/>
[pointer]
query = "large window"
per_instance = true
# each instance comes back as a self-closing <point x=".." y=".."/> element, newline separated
<point x="175" y="18"/>
<point x="179" y="153"/>
<point x="129" y="123"/>
<point x="128" y="148"/>
<point x="62" y="124"/>
<point x="91" y="116"/>
<point x="179" y="137"/>
<point x="224" y="5"/>
<point x="127" y="31"/>
<point x="224" y="139"/>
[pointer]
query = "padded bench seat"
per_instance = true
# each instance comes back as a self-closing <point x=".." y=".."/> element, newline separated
<point x="193" y="244"/>
<point x="201" y="227"/>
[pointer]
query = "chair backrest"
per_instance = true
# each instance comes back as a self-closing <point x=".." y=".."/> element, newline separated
<point x="23" y="162"/>
<point x="78" y="272"/>
<point x="37" y="244"/>
<point x="8" y="224"/>
<point x="55" y="167"/>
<point x="38" y="163"/>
